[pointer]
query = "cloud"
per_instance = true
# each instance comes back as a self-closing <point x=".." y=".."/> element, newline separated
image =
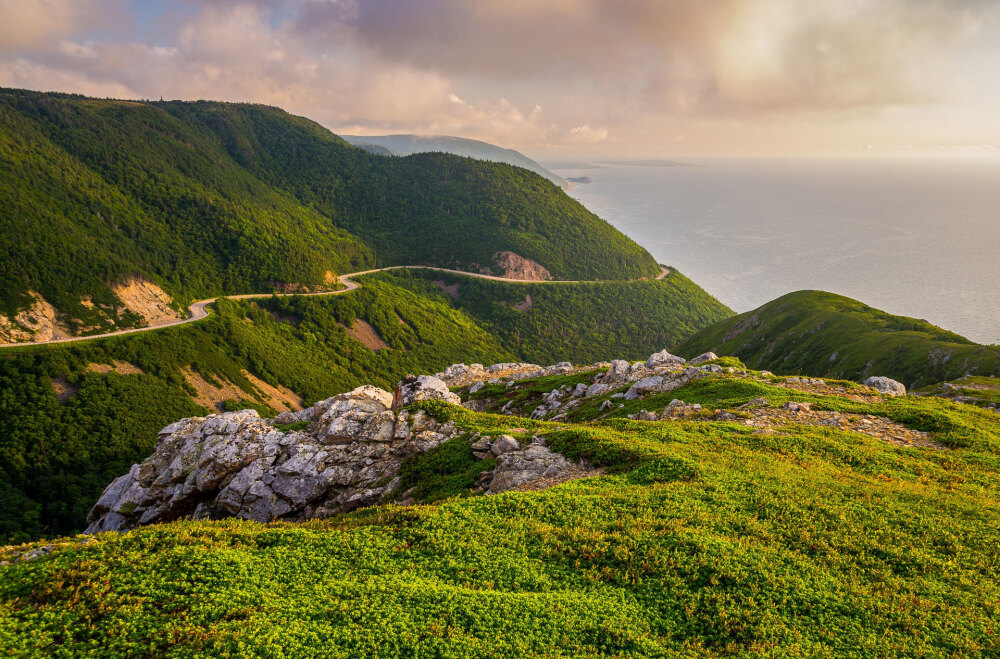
<point x="675" y="54"/>
<point x="573" y="74"/>
<point x="33" y="24"/>
<point x="586" y="135"/>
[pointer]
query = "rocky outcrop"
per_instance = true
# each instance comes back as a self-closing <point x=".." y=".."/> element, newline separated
<point x="663" y="358"/>
<point x="239" y="465"/>
<point x="703" y="357"/>
<point x="515" y="266"/>
<point x="886" y="386"/>
<point x="422" y="387"/>
<point x="148" y="300"/>
<point x="519" y="468"/>
<point x="38" y="322"/>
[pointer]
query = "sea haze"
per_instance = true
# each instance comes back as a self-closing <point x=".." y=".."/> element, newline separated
<point x="917" y="237"/>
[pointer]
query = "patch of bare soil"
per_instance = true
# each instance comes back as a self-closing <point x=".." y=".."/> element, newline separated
<point x="208" y="395"/>
<point x="524" y="306"/>
<point x="362" y="332"/>
<point x="280" y="398"/>
<point x="450" y="290"/>
<point x="64" y="390"/>
<point x="148" y="300"/>
<point x="120" y="367"/>
<point x="515" y="266"/>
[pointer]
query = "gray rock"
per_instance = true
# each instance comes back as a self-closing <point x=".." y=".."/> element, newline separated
<point x="702" y="358"/>
<point x="520" y="468"/>
<point x="664" y="359"/>
<point x="504" y="444"/>
<point x="886" y="386"/>
<point x="617" y="373"/>
<point x="422" y="387"/>
<point x="476" y="387"/>
<point x="596" y="389"/>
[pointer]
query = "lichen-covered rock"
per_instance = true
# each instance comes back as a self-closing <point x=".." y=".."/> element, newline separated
<point x="886" y="386"/>
<point x="414" y="389"/>
<point x="664" y="359"/>
<point x="519" y="468"/>
<point x="702" y="358"/>
<point x="239" y="465"/>
<point x="504" y="444"/>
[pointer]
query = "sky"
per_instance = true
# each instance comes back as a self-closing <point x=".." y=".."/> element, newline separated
<point x="556" y="79"/>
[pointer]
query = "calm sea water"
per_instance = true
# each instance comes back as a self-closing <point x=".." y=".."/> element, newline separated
<point x="919" y="238"/>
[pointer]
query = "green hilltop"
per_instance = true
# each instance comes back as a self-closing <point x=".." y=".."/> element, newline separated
<point x="208" y="198"/>
<point x="696" y="535"/>
<point x="819" y="333"/>
<point x="69" y="427"/>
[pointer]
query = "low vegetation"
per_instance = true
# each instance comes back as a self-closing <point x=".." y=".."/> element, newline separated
<point x="702" y="539"/>
<point x="823" y="334"/>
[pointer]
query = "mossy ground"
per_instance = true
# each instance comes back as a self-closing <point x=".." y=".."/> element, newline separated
<point x="703" y="539"/>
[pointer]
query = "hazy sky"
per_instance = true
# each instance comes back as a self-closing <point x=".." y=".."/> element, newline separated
<point x="554" y="78"/>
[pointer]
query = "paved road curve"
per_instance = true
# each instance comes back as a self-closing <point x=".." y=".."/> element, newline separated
<point x="199" y="311"/>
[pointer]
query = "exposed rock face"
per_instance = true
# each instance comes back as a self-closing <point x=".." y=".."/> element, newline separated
<point x="422" y="387"/>
<point x="887" y="386"/>
<point x="515" y="266"/>
<point x="148" y="300"/>
<point x="38" y="322"/>
<point x="239" y="465"/>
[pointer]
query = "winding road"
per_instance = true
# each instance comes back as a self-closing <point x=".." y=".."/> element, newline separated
<point x="199" y="310"/>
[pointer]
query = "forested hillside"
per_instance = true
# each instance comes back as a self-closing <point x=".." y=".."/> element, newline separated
<point x="585" y="322"/>
<point x="75" y="415"/>
<point x="825" y="334"/>
<point x="206" y="198"/>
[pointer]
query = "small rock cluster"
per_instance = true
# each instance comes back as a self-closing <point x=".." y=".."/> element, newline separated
<point x="518" y="467"/>
<point x="239" y="465"/>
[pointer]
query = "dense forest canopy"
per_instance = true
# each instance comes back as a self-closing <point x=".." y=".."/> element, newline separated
<point x="205" y="198"/>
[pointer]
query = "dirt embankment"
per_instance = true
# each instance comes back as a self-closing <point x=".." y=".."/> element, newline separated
<point x="148" y="300"/>
<point x="362" y="332"/>
<point x="39" y="322"/>
<point x="214" y="397"/>
<point x="515" y="266"/>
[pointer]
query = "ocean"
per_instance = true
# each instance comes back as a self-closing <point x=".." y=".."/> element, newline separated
<point x="916" y="237"/>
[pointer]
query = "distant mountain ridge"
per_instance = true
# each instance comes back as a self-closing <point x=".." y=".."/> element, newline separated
<point x="408" y="144"/>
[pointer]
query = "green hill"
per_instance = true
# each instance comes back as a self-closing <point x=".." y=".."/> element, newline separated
<point x="69" y="421"/>
<point x="586" y="322"/>
<point x="700" y="537"/>
<point x="208" y="198"/>
<point x="818" y="333"/>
